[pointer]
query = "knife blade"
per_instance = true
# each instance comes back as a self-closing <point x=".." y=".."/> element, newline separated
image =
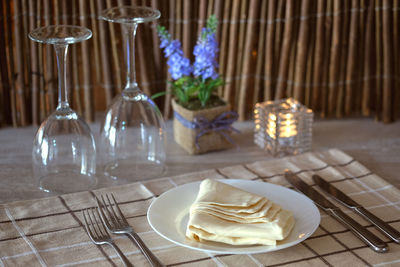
<point x="358" y="230"/>
<point x="353" y="205"/>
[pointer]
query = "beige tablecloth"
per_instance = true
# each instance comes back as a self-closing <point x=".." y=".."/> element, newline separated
<point x="50" y="231"/>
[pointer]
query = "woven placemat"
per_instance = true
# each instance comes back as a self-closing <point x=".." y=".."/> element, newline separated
<point x="50" y="232"/>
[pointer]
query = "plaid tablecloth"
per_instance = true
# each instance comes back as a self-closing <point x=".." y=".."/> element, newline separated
<point x="50" y="232"/>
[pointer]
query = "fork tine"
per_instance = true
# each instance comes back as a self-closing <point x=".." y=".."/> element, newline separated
<point x="119" y="210"/>
<point x="95" y="225"/>
<point x="89" y="232"/>
<point x="102" y="224"/>
<point x="105" y="218"/>
<point x="114" y="213"/>
<point x="110" y="211"/>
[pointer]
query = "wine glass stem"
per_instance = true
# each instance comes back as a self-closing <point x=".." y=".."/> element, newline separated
<point x="61" y="54"/>
<point x="130" y="35"/>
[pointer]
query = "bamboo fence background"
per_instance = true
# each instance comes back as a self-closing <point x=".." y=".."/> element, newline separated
<point x="341" y="58"/>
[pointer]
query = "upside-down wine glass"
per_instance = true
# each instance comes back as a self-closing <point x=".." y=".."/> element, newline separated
<point x="133" y="130"/>
<point x="64" y="152"/>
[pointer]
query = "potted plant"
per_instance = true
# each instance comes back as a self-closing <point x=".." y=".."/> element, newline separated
<point x="202" y="120"/>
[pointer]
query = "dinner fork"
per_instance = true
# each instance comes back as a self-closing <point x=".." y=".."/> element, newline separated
<point x="98" y="233"/>
<point x="116" y="223"/>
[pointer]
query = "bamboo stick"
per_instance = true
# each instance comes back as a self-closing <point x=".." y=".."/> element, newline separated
<point x="387" y="101"/>
<point x="2" y="89"/>
<point x="41" y="68"/>
<point x="19" y="68"/>
<point x="217" y="9"/>
<point x="49" y="77"/>
<point x="379" y="57"/>
<point x="2" y="84"/>
<point x="116" y="63"/>
<point x="238" y="75"/>
<point x="344" y="36"/>
<point x="96" y="52"/>
<point x="327" y="57"/>
<point x="65" y="13"/>
<point x="334" y="65"/>
<point x="260" y="52"/>
<point x="360" y="56"/>
<point x="311" y="56"/>
<point x="369" y="70"/>
<point x="156" y="50"/>
<point x="186" y="28"/>
<point x="202" y="16"/>
<point x="106" y="82"/>
<point x="396" y="44"/>
<point x="279" y="21"/>
<point x="148" y="75"/>
<point x="269" y="51"/>
<point x="248" y="61"/>
<point x="27" y="58"/>
<point x="224" y="44"/>
<point x="302" y="54"/>
<point x="178" y="20"/>
<point x="172" y="30"/>
<point x="212" y="8"/>
<point x="66" y="18"/>
<point x="76" y="96"/>
<point x="319" y="55"/>
<point x="4" y="78"/>
<point x="86" y="81"/>
<point x="286" y="49"/>
<point x="34" y="67"/>
<point x="293" y="51"/>
<point x="230" y="71"/>
<point x="143" y="60"/>
<point x="10" y="60"/>
<point x="56" y="13"/>
<point x="351" y="73"/>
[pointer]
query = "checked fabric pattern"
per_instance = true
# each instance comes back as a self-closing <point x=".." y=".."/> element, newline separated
<point x="50" y="231"/>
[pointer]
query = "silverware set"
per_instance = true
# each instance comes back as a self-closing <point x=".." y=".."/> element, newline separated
<point x="107" y="218"/>
<point x="358" y="230"/>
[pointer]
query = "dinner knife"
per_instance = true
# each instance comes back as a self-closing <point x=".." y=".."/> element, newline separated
<point x="351" y="204"/>
<point x="358" y="230"/>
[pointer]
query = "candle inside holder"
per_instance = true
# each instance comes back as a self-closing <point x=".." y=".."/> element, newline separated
<point x="283" y="127"/>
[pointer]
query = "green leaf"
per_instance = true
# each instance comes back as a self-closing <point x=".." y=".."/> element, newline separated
<point x="156" y="95"/>
<point x="181" y="95"/>
<point x="191" y="90"/>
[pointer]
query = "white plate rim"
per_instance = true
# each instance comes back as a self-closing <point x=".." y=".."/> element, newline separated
<point x="235" y="249"/>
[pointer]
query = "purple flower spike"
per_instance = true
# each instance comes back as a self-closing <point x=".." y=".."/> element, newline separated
<point x="205" y="52"/>
<point x="178" y="65"/>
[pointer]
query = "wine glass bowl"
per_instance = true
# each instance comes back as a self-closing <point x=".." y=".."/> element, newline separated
<point x="64" y="154"/>
<point x="132" y="134"/>
<point x="132" y="138"/>
<point x="64" y="151"/>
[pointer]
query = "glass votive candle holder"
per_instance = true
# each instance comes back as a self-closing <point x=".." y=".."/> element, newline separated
<point x="283" y="127"/>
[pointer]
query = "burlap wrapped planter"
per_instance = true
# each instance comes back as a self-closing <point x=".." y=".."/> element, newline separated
<point x="186" y="136"/>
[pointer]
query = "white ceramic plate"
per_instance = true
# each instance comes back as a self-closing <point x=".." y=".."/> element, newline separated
<point x="168" y="215"/>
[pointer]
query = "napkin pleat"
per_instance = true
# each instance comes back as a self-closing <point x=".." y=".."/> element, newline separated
<point x="230" y="215"/>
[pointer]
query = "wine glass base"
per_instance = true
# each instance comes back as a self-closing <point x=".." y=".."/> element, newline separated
<point x="131" y="169"/>
<point x="67" y="182"/>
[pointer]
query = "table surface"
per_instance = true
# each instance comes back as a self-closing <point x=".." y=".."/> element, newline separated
<point x="373" y="144"/>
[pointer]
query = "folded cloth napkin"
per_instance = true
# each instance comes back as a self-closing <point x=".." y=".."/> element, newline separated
<point x="227" y="214"/>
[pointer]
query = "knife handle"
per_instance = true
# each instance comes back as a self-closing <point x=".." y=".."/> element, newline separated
<point x="362" y="233"/>
<point x="381" y="225"/>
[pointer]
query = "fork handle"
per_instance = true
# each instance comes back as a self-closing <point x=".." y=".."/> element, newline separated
<point x="121" y="255"/>
<point x="154" y="261"/>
